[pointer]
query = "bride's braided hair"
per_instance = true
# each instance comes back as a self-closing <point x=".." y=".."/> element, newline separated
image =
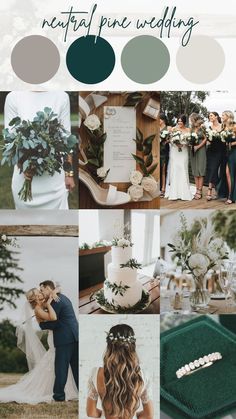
<point x="123" y="378"/>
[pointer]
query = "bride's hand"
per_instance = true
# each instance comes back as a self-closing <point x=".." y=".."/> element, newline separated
<point x="50" y="299"/>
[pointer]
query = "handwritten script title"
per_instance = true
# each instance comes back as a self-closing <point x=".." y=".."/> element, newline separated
<point x="87" y="23"/>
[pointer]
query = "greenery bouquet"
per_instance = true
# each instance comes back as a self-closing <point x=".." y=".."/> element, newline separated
<point x="37" y="147"/>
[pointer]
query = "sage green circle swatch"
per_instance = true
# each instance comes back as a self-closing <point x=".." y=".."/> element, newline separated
<point x="145" y="59"/>
<point x="90" y="59"/>
<point x="202" y="60"/>
<point x="35" y="59"/>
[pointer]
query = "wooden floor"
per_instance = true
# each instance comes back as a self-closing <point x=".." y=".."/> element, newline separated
<point x="218" y="204"/>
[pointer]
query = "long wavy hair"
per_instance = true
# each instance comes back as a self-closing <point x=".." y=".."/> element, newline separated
<point x="122" y="373"/>
<point x="229" y="123"/>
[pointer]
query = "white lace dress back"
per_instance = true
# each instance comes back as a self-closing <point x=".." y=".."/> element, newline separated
<point x="93" y="394"/>
<point x="49" y="192"/>
<point x="179" y="187"/>
<point x="36" y="386"/>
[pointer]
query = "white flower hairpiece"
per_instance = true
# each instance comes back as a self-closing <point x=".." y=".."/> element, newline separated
<point x="120" y="338"/>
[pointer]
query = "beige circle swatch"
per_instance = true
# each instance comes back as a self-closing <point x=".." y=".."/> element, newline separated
<point x="202" y="60"/>
<point x="35" y="59"/>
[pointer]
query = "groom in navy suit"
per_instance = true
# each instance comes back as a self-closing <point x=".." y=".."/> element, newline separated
<point x="65" y="336"/>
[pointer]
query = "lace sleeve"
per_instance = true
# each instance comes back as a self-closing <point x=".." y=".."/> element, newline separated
<point x="146" y="395"/>
<point x="92" y="392"/>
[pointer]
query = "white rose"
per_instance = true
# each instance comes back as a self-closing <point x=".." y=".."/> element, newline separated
<point x="92" y="122"/>
<point x="4" y="237"/>
<point x="123" y="242"/>
<point x="136" y="192"/>
<point x="136" y="177"/>
<point x="102" y="172"/>
<point x="149" y="184"/>
<point x="199" y="264"/>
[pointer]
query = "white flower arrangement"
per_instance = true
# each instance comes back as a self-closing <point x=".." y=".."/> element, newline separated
<point x="121" y="242"/>
<point x="164" y="135"/>
<point x="139" y="184"/>
<point x="200" y="253"/>
<point x="177" y="138"/>
<point x="212" y="134"/>
<point x="226" y="136"/>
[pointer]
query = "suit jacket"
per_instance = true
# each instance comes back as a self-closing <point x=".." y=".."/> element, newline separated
<point x="65" y="328"/>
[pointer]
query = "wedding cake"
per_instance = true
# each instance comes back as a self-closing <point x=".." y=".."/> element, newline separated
<point x="122" y="287"/>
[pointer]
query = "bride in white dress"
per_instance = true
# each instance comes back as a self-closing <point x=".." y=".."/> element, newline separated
<point x="179" y="187"/>
<point x="36" y="386"/>
<point x="119" y="389"/>
<point x="49" y="192"/>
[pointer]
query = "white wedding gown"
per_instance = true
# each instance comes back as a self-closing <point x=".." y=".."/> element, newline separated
<point x="36" y="386"/>
<point x="178" y="186"/>
<point x="49" y="192"/>
<point x="93" y="394"/>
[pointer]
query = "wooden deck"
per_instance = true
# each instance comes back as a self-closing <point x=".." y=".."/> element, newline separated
<point x="217" y="204"/>
<point x="88" y="305"/>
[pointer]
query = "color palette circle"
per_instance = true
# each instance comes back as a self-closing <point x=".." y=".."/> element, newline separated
<point x="202" y="60"/>
<point x="35" y="59"/>
<point x="90" y="59"/>
<point x="145" y="59"/>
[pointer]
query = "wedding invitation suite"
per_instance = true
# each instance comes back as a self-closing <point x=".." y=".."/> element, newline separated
<point x="120" y="126"/>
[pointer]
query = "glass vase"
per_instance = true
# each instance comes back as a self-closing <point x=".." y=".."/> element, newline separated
<point x="200" y="297"/>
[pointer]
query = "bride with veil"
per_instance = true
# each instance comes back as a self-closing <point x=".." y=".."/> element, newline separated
<point x="36" y="386"/>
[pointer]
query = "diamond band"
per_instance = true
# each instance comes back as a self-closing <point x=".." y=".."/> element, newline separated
<point x="202" y="362"/>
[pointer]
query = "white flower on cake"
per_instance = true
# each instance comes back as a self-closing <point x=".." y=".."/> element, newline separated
<point x="102" y="172"/>
<point x="136" y="177"/>
<point x="136" y="192"/>
<point x="4" y="237"/>
<point x="149" y="184"/>
<point x="199" y="264"/>
<point x="92" y="122"/>
<point x="123" y="242"/>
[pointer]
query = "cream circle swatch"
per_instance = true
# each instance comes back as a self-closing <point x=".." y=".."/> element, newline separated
<point x="35" y="59"/>
<point x="202" y="60"/>
<point x="145" y="59"/>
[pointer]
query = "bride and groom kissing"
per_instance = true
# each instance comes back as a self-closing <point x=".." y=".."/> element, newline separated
<point x="53" y="373"/>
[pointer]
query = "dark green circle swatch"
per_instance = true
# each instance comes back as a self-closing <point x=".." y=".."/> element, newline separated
<point x="145" y="59"/>
<point x="90" y="59"/>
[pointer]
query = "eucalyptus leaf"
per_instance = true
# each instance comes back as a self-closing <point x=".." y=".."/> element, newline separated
<point x="149" y="139"/>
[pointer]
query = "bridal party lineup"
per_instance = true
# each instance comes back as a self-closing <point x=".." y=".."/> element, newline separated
<point x="198" y="146"/>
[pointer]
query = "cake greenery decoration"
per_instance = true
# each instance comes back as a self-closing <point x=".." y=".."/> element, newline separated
<point x="132" y="263"/>
<point x="117" y="289"/>
<point x="111" y="307"/>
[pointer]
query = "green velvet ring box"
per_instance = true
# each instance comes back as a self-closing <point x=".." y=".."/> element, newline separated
<point x="208" y="392"/>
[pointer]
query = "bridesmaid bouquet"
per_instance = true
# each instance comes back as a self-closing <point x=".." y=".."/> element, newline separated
<point x="164" y="135"/>
<point x="36" y="147"/>
<point x="212" y="135"/>
<point x="226" y="136"/>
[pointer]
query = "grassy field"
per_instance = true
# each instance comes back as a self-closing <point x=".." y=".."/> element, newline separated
<point x="40" y="411"/>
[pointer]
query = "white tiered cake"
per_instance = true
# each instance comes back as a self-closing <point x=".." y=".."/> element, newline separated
<point x="122" y="288"/>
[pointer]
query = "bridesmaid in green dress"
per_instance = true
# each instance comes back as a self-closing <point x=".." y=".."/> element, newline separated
<point x="198" y="153"/>
<point x="231" y="167"/>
